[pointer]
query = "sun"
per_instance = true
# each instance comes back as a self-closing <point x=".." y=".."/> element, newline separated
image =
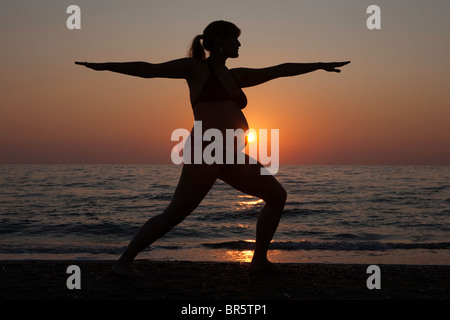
<point x="250" y="137"/>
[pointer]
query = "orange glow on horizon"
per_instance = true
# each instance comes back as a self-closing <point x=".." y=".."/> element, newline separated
<point x="388" y="107"/>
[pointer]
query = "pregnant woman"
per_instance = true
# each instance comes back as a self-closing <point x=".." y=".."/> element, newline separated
<point x="217" y="100"/>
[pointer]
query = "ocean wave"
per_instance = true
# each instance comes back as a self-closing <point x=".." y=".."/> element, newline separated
<point x="31" y="228"/>
<point x="240" y="245"/>
<point x="330" y="245"/>
<point x="59" y="249"/>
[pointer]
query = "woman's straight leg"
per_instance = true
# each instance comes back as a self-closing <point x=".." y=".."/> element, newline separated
<point x="195" y="182"/>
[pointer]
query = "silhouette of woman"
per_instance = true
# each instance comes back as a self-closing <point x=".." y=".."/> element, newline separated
<point x="217" y="100"/>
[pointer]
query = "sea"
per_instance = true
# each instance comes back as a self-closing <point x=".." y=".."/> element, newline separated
<point x="333" y="214"/>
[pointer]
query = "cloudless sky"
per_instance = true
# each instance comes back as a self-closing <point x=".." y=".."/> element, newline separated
<point x="391" y="105"/>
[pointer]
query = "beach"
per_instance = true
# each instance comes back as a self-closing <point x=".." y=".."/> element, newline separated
<point x="185" y="280"/>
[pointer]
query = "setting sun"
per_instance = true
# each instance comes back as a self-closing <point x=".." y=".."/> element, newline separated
<point x="250" y="137"/>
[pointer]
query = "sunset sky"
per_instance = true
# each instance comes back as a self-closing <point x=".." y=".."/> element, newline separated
<point x="390" y="106"/>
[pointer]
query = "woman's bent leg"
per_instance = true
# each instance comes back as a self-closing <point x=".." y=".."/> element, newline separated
<point x="248" y="179"/>
<point x="194" y="184"/>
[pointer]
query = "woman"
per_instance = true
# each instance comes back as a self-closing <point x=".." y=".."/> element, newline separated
<point x="217" y="100"/>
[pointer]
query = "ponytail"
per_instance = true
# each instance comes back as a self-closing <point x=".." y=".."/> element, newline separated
<point x="197" y="51"/>
<point x="206" y="41"/>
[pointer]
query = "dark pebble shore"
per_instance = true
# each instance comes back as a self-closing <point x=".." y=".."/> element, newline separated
<point x="184" y="280"/>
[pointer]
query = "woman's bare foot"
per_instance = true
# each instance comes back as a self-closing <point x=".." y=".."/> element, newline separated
<point x="126" y="270"/>
<point x="264" y="266"/>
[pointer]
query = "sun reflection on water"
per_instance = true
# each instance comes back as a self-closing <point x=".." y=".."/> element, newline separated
<point x="239" y="256"/>
<point x="247" y="255"/>
<point x="248" y="202"/>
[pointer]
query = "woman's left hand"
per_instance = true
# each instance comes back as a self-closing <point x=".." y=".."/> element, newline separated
<point x="332" y="66"/>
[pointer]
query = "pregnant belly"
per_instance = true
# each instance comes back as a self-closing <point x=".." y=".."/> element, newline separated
<point x="220" y="115"/>
<point x="226" y="117"/>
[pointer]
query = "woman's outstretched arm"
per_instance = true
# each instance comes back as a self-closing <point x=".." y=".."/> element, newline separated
<point x="251" y="77"/>
<point x="176" y="69"/>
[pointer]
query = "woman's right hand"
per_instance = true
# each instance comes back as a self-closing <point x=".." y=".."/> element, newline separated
<point x="94" y="66"/>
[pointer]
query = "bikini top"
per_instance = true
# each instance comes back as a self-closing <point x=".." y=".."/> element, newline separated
<point x="214" y="90"/>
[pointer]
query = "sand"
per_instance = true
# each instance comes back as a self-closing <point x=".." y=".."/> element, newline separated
<point x="184" y="280"/>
